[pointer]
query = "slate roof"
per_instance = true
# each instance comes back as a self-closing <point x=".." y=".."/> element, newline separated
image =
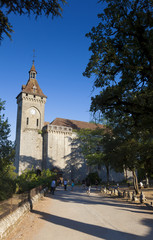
<point x="75" y="124"/>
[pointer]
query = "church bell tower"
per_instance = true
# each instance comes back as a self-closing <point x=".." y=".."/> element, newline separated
<point x="30" y="121"/>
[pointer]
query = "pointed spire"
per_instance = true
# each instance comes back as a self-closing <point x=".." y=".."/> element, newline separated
<point x="32" y="72"/>
<point x="32" y="86"/>
<point x="33" y="67"/>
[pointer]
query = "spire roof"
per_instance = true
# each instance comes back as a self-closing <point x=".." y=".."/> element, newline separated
<point x="32" y="86"/>
<point x="33" y="67"/>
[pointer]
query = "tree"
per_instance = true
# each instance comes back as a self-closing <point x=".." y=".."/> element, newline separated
<point x="95" y="147"/>
<point x="122" y="60"/>
<point x="26" y="7"/>
<point x="7" y="175"/>
<point x="125" y="152"/>
<point x="6" y="146"/>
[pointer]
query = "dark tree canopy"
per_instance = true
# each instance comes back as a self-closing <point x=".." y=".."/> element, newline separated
<point x="122" y="60"/>
<point x="35" y="7"/>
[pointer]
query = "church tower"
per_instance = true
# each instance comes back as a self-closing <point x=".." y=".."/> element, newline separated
<point x="30" y="121"/>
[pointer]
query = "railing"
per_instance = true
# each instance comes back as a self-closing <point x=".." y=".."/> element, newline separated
<point x="11" y="204"/>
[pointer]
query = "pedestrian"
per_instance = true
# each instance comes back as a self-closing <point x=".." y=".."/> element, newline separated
<point x="72" y="185"/>
<point x="65" y="184"/>
<point x="88" y="184"/>
<point x="53" y="186"/>
<point x="141" y="185"/>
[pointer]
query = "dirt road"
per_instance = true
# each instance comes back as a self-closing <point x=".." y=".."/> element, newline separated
<point x="73" y="215"/>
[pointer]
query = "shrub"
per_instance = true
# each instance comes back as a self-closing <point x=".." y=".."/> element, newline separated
<point x="29" y="179"/>
<point x="93" y="177"/>
<point x="7" y="182"/>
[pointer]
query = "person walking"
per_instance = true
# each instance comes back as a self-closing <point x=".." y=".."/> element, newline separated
<point x="72" y="185"/>
<point x="53" y="186"/>
<point x="65" y="184"/>
<point x="88" y="184"/>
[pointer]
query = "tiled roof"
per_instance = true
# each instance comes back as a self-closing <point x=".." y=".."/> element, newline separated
<point x="75" y="124"/>
<point x="32" y="87"/>
<point x="33" y="68"/>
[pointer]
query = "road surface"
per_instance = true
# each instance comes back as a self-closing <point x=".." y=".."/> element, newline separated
<point x="74" y="215"/>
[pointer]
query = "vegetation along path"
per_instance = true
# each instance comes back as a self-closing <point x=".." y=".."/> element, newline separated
<point x="73" y="215"/>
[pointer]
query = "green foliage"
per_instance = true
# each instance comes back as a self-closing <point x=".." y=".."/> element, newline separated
<point x="93" y="177"/>
<point x="7" y="183"/>
<point x="26" y="7"/>
<point x="95" y="146"/>
<point x="7" y="175"/>
<point x="6" y="146"/>
<point x="90" y="144"/>
<point x="122" y="61"/>
<point x="29" y="179"/>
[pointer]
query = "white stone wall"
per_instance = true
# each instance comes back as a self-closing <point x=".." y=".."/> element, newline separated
<point x="61" y="151"/>
<point x="30" y="120"/>
<point x="58" y="141"/>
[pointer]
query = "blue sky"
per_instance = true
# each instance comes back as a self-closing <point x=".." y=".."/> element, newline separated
<point x="61" y="50"/>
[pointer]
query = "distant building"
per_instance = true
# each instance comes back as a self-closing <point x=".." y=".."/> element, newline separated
<point x="45" y="145"/>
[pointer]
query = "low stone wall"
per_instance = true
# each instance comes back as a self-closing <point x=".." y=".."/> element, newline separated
<point x="7" y="223"/>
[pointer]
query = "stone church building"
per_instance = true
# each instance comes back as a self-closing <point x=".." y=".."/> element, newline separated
<point x="43" y="145"/>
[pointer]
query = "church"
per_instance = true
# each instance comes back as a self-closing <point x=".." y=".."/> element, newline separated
<point x="49" y="145"/>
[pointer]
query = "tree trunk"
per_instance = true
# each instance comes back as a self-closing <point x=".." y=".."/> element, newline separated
<point x="107" y="169"/>
<point x="147" y="180"/>
<point x="135" y="182"/>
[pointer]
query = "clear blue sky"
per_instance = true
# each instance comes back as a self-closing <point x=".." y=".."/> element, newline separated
<point x="61" y="50"/>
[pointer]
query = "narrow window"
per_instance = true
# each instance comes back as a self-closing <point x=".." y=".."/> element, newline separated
<point x="27" y="121"/>
<point x="34" y="96"/>
<point x="26" y="94"/>
<point x="37" y="122"/>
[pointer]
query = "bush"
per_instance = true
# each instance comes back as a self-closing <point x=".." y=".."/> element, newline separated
<point x="30" y="179"/>
<point x="93" y="177"/>
<point x="10" y="183"/>
<point x="7" y="182"/>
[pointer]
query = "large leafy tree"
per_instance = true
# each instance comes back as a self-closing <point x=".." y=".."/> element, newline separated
<point x="35" y="7"/>
<point x="122" y="61"/>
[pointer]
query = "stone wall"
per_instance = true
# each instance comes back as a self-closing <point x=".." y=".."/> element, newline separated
<point x="8" y="222"/>
<point x="30" y="120"/>
<point x="57" y="146"/>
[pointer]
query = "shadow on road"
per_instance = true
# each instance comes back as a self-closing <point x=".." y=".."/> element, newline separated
<point x="93" y="230"/>
<point x="80" y="196"/>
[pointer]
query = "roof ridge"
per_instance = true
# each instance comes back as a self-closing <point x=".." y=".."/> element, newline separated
<point x="75" y="124"/>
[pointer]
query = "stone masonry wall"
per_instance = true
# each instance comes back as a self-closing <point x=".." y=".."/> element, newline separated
<point x="30" y="120"/>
